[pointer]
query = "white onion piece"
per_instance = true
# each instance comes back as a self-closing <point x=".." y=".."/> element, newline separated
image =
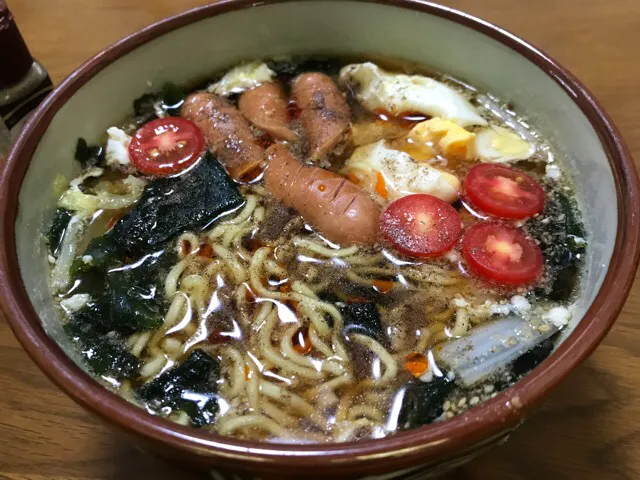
<point x="489" y="348"/>
<point x="61" y="273"/>
<point x="74" y="199"/>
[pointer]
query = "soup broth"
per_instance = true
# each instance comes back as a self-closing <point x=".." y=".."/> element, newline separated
<point x="316" y="250"/>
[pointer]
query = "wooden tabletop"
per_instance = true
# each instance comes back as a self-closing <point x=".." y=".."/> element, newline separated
<point x="588" y="429"/>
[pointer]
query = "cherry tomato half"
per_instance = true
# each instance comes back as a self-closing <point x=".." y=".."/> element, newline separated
<point x="421" y="225"/>
<point x="501" y="254"/>
<point x="166" y="146"/>
<point x="503" y="191"/>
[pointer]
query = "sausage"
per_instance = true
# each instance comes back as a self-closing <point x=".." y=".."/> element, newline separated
<point x="227" y="132"/>
<point x="324" y="114"/>
<point x="336" y="207"/>
<point x="266" y="107"/>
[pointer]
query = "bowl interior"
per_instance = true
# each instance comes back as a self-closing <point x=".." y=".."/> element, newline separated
<point x="199" y="48"/>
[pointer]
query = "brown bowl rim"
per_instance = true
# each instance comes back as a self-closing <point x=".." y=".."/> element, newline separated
<point x="434" y="442"/>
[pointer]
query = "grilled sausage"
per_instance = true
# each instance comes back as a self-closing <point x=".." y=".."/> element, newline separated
<point x="324" y="114"/>
<point x="266" y="107"/>
<point x="336" y="207"/>
<point x="227" y="132"/>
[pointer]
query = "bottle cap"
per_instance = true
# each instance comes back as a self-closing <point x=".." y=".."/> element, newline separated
<point x="15" y="59"/>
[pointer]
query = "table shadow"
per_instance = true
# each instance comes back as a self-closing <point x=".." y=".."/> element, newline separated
<point x="573" y="428"/>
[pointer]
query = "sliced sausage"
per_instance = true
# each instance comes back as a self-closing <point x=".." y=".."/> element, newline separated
<point x="324" y="114"/>
<point x="227" y="132"/>
<point x="338" y="208"/>
<point x="266" y="107"/>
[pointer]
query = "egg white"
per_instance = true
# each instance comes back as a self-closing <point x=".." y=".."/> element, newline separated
<point x="397" y="93"/>
<point x="401" y="173"/>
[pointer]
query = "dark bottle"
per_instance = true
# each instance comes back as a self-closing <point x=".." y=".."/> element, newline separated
<point x="24" y="83"/>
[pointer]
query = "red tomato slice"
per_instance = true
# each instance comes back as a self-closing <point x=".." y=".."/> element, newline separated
<point x="421" y="225"/>
<point x="503" y="191"/>
<point x="501" y="254"/>
<point x="166" y="146"/>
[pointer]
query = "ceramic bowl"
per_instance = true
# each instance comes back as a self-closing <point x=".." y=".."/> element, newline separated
<point x="198" y="42"/>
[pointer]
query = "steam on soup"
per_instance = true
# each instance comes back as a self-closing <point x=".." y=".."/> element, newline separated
<point x="315" y="250"/>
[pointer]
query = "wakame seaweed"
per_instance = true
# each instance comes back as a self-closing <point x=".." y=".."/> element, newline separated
<point x="531" y="359"/>
<point x="172" y="98"/>
<point x="287" y="68"/>
<point x="144" y="108"/>
<point x="363" y="318"/>
<point x="169" y="99"/>
<point x="125" y="297"/>
<point x="562" y="240"/>
<point x="189" y="387"/>
<point x="134" y="307"/>
<point x="103" y="252"/>
<point x="124" y="300"/>
<point x="104" y="350"/>
<point x="423" y="402"/>
<point x="57" y="230"/>
<point x="170" y="206"/>
<point x="88" y="155"/>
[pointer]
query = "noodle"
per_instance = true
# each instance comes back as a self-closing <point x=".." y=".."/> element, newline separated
<point x="267" y="350"/>
<point x="237" y="382"/>
<point x="227" y="425"/>
<point x="172" y="281"/>
<point x="391" y="367"/>
<point x="290" y="353"/>
<point x="274" y="316"/>
<point x="324" y="251"/>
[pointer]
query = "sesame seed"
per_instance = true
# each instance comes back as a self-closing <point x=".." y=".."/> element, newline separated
<point x="474" y="401"/>
<point x="447" y="405"/>
<point x="462" y="402"/>
<point x="488" y="388"/>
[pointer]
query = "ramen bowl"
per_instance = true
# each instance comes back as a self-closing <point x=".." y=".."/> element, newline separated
<point x="196" y="43"/>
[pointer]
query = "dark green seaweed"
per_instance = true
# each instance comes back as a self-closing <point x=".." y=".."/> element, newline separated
<point x="89" y="155"/>
<point x="561" y="239"/>
<point x="531" y="359"/>
<point x="57" y="230"/>
<point x="133" y="307"/>
<point x="169" y="206"/>
<point x="104" y="252"/>
<point x="170" y="99"/>
<point x="363" y="318"/>
<point x="422" y="402"/>
<point x="143" y="108"/>
<point x="104" y="351"/>
<point x="189" y="387"/>
<point x="128" y="297"/>
<point x="287" y="69"/>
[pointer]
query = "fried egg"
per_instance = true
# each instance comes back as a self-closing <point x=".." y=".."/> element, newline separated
<point x="450" y="139"/>
<point x="117" y="152"/>
<point x="501" y="145"/>
<point x="394" y="93"/>
<point x="393" y="174"/>
<point x="243" y="77"/>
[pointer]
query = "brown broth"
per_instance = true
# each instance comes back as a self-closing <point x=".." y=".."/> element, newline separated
<point x="332" y="385"/>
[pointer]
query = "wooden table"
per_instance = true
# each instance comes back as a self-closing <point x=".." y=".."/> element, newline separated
<point x="590" y="427"/>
